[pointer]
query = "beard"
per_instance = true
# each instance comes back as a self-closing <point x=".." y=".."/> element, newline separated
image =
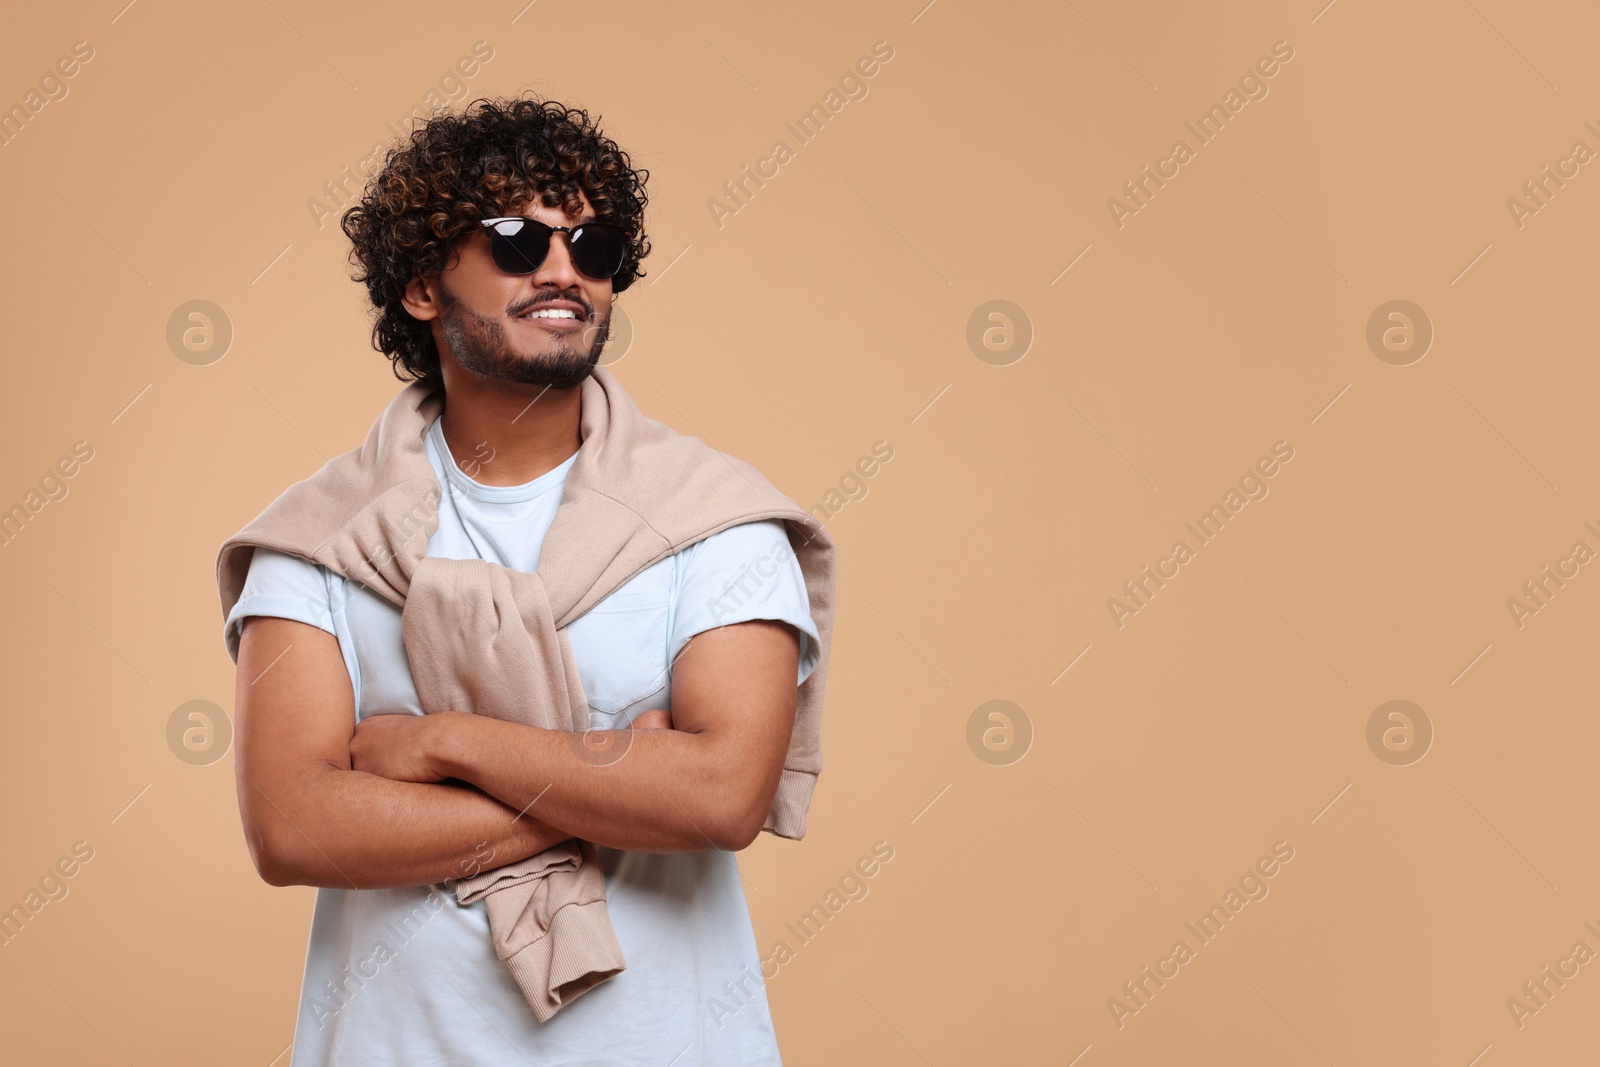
<point x="479" y="344"/>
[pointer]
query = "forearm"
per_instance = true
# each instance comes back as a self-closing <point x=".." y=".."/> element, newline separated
<point x="349" y="829"/>
<point x="670" y="790"/>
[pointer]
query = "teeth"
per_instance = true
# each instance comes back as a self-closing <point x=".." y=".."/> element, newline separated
<point x="554" y="313"/>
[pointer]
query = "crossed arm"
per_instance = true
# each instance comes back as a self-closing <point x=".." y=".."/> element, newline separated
<point x="404" y="800"/>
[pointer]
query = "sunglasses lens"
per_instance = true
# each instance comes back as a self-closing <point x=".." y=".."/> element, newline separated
<point x="520" y="245"/>
<point x="598" y="249"/>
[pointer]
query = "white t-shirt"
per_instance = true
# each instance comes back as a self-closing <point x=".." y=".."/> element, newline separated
<point x="408" y="975"/>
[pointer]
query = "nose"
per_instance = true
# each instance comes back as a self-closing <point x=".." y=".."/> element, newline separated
<point x="557" y="268"/>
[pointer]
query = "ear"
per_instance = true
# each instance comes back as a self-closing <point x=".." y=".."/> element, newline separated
<point x="421" y="298"/>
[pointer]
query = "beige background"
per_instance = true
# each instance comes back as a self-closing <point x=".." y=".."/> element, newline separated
<point x="830" y="312"/>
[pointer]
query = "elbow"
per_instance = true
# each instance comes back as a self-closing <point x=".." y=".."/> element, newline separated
<point x="272" y="862"/>
<point x="744" y="813"/>
<point x="277" y="848"/>
<point x="280" y="851"/>
<point x="279" y="876"/>
<point x="742" y="824"/>
<point x="735" y="838"/>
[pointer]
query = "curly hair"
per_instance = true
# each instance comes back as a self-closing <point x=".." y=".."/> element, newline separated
<point x="490" y="159"/>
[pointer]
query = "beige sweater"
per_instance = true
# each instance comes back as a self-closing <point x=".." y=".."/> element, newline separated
<point x="482" y="638"/>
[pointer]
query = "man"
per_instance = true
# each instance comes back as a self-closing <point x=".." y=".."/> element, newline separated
<point x="343" y="782"/>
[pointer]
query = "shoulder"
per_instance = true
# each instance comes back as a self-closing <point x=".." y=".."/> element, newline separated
<point x="746" y="571"/>
<point x="760" y="536"/>
<point x="741" y="558"/>
<point x="268" y="565"/>
<point x="285" y="586"/>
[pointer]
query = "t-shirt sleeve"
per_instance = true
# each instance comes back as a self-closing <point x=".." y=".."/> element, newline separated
<point x="745" y="572"/>
<point x="285" y="586"/>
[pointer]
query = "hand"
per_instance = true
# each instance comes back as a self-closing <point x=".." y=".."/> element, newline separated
<point x="654" y="719"/>
<point x="397" y="746"/>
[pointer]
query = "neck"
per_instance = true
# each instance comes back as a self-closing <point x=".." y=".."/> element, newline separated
<point x="508" y="433"/>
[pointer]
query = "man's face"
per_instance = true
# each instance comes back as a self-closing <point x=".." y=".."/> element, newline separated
<point x="485" y="322"/>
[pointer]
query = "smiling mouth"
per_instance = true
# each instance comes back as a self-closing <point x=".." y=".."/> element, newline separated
<point x="555" y="319"/>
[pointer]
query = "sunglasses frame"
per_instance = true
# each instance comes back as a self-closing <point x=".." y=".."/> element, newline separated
<point x="490" y="228"/>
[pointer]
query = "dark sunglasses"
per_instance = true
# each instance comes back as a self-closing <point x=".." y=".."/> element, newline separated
<point x="519" y="245"/>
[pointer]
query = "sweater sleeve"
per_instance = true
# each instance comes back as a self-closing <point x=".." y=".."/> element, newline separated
<point x="745" y="572"/>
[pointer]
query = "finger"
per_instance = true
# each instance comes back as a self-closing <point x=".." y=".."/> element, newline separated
<point x="654" y="719"/>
